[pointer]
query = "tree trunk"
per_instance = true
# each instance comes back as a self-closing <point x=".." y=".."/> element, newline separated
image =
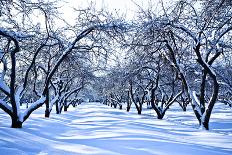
<point x="128" y="108"/>
<point x="128" y="105"/>
<point x="205" y="125"/>
<point x="160" y="116"/>
<point x="197" y="114"/>
<point x="16" y="123"/>
<point x="57" y="107"/>
<point x="105" y="102"/>
<point x="184" y="108"/>
<point x="47" y="113"/>
<point x="61" y="108"/>
<point x="139" y="111"/>
<point x="210" y="72"/>
<point x="120" y="107"/>
<point x="128" y="101"/>
<point x="65" y="108"/>
<point x="58" y="110"/>
<point x="205" y="121"/>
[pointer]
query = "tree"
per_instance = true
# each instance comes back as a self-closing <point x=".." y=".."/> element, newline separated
<point x="207" y="39"/>
<point x="17" y="38"/>
<point x="14" y="39"/>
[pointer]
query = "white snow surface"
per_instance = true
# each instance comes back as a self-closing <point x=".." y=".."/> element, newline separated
<point x="94" y="128"/>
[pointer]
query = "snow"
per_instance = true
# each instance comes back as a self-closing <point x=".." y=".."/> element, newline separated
<point x="94" y="128"/>
<point x="195" y="102"/>
<point x="4" y="103"/>
<point x="17" y="100"/>
<point x="194" y="94"/>
<point x="3" y="85"/>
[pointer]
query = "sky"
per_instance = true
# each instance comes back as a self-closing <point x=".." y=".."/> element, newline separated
<point x="128" y="7"/>
<point x="123" y="6"/>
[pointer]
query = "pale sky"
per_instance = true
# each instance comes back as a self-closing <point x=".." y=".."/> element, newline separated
<point x="127" y="7"/>
<point x="124" y="6"/>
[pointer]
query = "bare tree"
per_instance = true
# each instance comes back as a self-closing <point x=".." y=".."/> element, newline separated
<point x="206" y="36"/>
<point x="13" y="42"/>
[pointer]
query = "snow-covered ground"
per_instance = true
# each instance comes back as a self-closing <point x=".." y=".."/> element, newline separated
<point x="93" y="128"/>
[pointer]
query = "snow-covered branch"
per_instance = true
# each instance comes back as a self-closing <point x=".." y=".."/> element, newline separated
<point x="186" y="30"/>
<point x="4" y="105"/>
<point x="35" y="105"/>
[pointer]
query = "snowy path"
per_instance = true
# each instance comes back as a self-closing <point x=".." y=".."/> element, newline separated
<point x="93" y="128"/>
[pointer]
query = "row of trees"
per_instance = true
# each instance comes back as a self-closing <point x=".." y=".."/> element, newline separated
<point x="43" y="62"/>
<point x="180" y="55"/>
